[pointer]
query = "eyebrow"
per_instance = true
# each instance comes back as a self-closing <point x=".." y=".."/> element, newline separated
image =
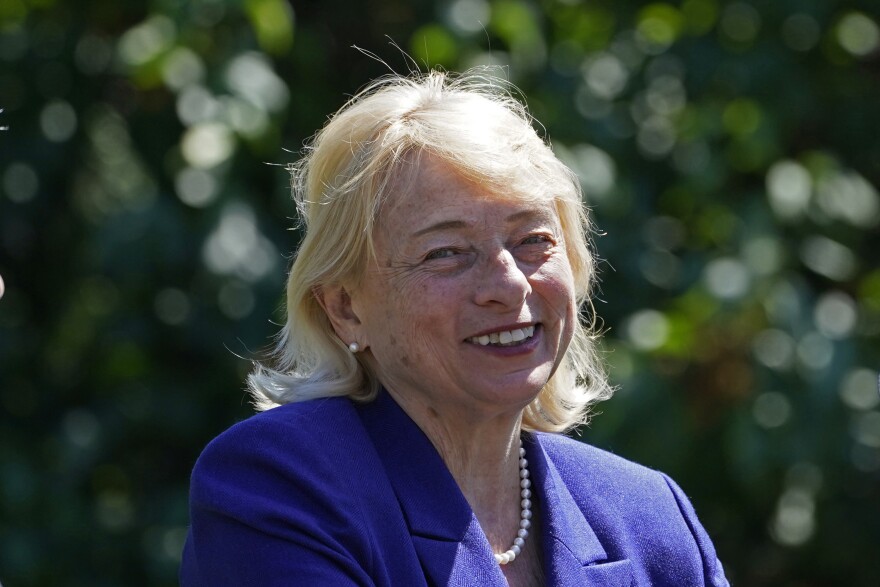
<point x="459" y="224"/>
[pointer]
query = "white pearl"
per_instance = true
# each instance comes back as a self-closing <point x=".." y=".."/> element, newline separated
<point x="525" y="514"/>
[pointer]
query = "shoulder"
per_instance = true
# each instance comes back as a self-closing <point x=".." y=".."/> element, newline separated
<point x="288" y="429"/>
<point x="582" y="463"/>
<point x="307" y="444"/>
<point x="598" y="478"/>
<point x="637" y="512"/>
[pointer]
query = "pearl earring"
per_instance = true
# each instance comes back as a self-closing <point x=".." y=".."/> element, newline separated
<point x="354" y="347"/>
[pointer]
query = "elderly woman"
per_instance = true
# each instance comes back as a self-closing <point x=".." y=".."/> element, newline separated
<point x="434" y="350"/>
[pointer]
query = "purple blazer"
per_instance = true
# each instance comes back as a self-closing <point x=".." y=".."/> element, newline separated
<point x="333" y="493"/>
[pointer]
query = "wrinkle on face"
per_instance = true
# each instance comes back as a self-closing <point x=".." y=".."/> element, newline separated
<point x="503" y="261"/>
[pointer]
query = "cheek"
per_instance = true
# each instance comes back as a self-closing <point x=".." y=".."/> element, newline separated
<point x="554" y="283"/>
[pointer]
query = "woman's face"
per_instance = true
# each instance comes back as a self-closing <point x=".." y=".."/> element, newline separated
<point x="471" y="302"/>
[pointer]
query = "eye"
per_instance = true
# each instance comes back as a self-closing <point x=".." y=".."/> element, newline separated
<point x="440" y="254"/>
<point x="537" y="239"/>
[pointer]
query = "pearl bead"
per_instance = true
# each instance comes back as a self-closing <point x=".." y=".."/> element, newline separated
<point x="525" y="513"/>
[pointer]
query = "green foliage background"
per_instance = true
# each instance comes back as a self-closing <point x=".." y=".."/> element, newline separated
<point x="730" y="153"/>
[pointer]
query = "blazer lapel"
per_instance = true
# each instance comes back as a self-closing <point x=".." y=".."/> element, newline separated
<point x="573" y="555"/>
<point x="448" y="540"/>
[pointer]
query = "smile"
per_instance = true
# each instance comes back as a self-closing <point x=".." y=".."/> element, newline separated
<point x="504" y="337"/>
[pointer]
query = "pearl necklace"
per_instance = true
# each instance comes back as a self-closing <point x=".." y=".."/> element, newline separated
<point x="525" y="515"/>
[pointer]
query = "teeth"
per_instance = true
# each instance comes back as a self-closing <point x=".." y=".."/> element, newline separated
<point x="504" y="337"/>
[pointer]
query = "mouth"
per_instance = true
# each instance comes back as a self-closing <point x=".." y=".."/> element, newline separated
<point x="504" y="338"/>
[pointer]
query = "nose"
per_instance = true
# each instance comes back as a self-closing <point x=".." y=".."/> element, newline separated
<point x="501" y="282"/>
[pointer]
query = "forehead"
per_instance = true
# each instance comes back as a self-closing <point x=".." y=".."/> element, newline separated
<point x="431" y="187"/>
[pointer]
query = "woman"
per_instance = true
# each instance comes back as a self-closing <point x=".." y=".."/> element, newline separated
<point x="433" y="349"/>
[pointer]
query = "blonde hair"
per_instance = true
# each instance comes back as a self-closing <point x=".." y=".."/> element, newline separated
<point x="472" y="122"/>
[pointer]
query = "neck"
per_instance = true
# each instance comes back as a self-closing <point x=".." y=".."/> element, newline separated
<point x="482" y="454"/>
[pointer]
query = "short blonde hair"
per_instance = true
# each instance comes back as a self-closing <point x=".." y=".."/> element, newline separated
<point x="472" y="122"/>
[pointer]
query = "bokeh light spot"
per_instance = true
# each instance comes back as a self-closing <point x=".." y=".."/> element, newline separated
<point x="742" y="117"/>
<point x="794" y="521"/>
<point x="659" y="25"/>
<point x="740" y="22"/>
<point x="774" y="348"/>
<point x="196" y="187"/>
<point x="814" y="351"/>
<point x="771" y="409"/>
<point x="81" y="428"/>
<point x="829" y="258"/>
<point x="727" y="278"/>
<point x="594" y="167"/>
<point x="858" y="34"/>
<point x="848" y="196"/>
<point x="114" y="510"/>
<point x="858" y="390"/>
<point x="236" y="300"/>
<point x="145" y="41"/>
<point x="207" y="145"/>
<point x="835" y="315"/>
<point x="468" y="16"/>
<point x="763" y="255"/>
<point x="58" y="121"/>
<point x="182" y="67"/>
<point x="647" y="329"/>
<point x="236" y="246"/>
<point x="866" y="429"/>
<point x="801" y="32"/>
<point x="250" y="75"/>
<point x="196" y="104"/>
<point x="605" y="75"/>
<point x="20" y="182"/>
<point x="93" y="54"/>
<point x="789" y="187"/>
<point x="172" y="306"/>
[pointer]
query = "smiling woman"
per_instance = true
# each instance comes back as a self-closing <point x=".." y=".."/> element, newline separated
<point x="433" y="351"/>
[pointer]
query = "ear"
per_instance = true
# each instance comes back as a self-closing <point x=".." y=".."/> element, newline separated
<point x="336" y="302"/>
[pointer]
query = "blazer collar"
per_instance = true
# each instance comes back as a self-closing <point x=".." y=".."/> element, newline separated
<point x="447" y="537"/>
<point x="573" y="554"/>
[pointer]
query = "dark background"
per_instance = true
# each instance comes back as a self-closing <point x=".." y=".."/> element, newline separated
<point x="730" y="153"/>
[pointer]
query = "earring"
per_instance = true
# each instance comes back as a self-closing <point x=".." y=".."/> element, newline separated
<point x="354" y="347"/>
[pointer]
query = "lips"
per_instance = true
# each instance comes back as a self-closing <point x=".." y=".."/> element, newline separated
<point x="504" y="337"/>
